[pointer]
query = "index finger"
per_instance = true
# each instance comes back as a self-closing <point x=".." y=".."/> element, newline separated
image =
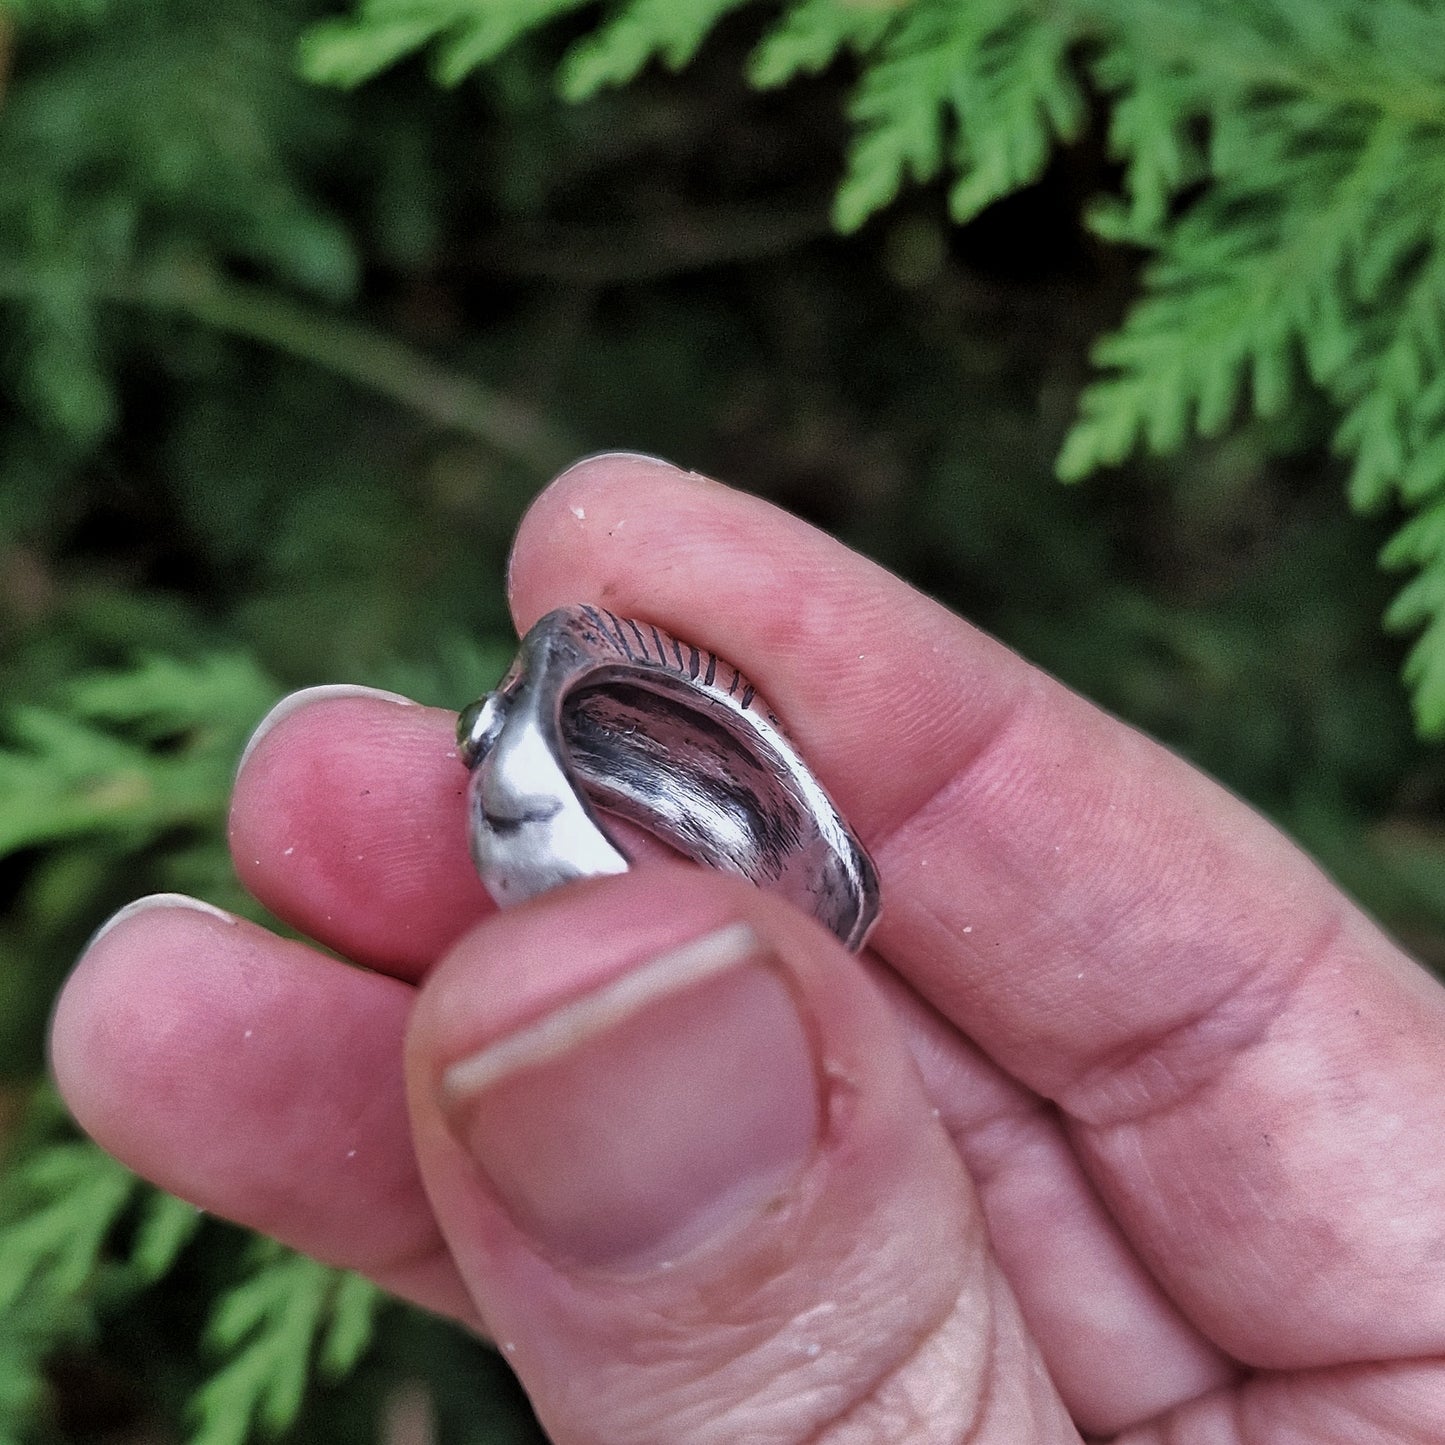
<point x="1248" y="1063"/>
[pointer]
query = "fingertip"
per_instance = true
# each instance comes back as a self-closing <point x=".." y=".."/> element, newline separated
<point x="305" y="697"/>
<point x="149" y="904"/>
<point x="257" y="1079"/>
<point x="701" y="1068"/>
<point x="107" y="1022"/>
<point x="350" y="823"/>
<point x="570" y="508"/>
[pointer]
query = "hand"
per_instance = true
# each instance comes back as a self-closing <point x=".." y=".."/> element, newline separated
<point x="1129" y="1125"/>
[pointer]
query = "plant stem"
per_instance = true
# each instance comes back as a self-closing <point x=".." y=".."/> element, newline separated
<point x="345" y="348"/>
<point x="678" y="245"/>
<point x="363" y="356"/>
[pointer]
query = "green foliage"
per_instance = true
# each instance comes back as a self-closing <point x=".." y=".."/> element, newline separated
<point x="71" y="1196"/>
<point x="80" y="1237"/>
<point x="130" y="754"/>
<point x="985" y="87"/>
<point x="1420" y="543"/>
<point x="1281" y="159"/>
<point x="470" y="33"/>
<point x="197" y="136"/>
<point x="60" y="1207"/>
<point x="290" y="1318"/>
<point x="466" y="34"/>
<point x="1314" y="253"/>
<point x="165" y="1227"/>
<point x="810" y="37"/>
<point x="642" y="30"/>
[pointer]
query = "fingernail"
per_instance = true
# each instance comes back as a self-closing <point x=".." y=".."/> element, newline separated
<point x="634" y="1124"/>
<point x="676" y="468"/>
<point x="295" y="701"/>
<point x="157" y="900"/>
<point x="618" y="456"/>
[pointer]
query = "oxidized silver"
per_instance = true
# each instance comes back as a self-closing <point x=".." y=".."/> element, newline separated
<point x="600" y="712"/>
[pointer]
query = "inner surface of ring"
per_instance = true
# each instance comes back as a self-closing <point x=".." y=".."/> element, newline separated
<point x="681" y="770"/>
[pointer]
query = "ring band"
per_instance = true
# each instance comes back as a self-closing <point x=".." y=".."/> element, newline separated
<point x="601" y="712"/>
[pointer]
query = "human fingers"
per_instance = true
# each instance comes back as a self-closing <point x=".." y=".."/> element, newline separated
<point x="1117" y="1348"/>
<point x="342" y="790"/>
<point x="1247" y="1063"/>
<point x="348" y="820"/>
<point x="259" y="1080"/>
<point x="1382" y="1403"/>
<point x="684" y="1163"/>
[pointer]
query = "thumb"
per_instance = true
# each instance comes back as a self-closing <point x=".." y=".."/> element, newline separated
<point x="679" y="1151"/>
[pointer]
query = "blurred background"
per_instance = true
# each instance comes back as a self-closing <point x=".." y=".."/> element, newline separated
<point x="280" y="367"/>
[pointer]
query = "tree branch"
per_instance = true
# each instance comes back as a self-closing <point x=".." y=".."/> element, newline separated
<point x="341" y="346"/>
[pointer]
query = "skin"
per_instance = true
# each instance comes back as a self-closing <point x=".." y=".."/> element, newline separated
<point x="1145" y="1135"/>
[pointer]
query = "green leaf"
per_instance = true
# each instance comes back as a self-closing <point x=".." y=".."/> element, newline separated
<point x="1419" y="541"/>
<point x="467" y="33"/>
<point x="288" y="1315"/>
<point x="1150" y="133"/>
<point x="62" y="1203"/>
<point x="1425" y="671"/>
<point x="354" y="1306"/>
<point x="167" y="1225"/>
<point x="135" y="753"/>
<point x="1014" y="104"/>
<point x="641" y="31"/>
<point x="347" y="52"/>
<point x="987" y="84"/>
<point x="811" y="35"/>
<point x="1251" y="285"/>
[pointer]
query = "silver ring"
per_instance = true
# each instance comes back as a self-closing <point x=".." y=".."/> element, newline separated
<point x="601" y="712"/>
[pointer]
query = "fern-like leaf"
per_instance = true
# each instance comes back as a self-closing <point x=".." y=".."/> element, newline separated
<point x="466" y="33"/>
<point x="61" y="1251"/>
<point x="1249" y="291"/>
<point x="1421" y="544"/>
<point x="810" y="36"/>
<point x="986" y="84"/>
<point x="642" y="31"/>
<point x="1151" y="135"/>
<point x="1394" y="421"/>
<point x="288" y="1315"/>
<point x="166" y="1226"/>
<point x="1315" y="250"/>
<point x="133" y="753"/>
<point x="68" y="1197"/>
